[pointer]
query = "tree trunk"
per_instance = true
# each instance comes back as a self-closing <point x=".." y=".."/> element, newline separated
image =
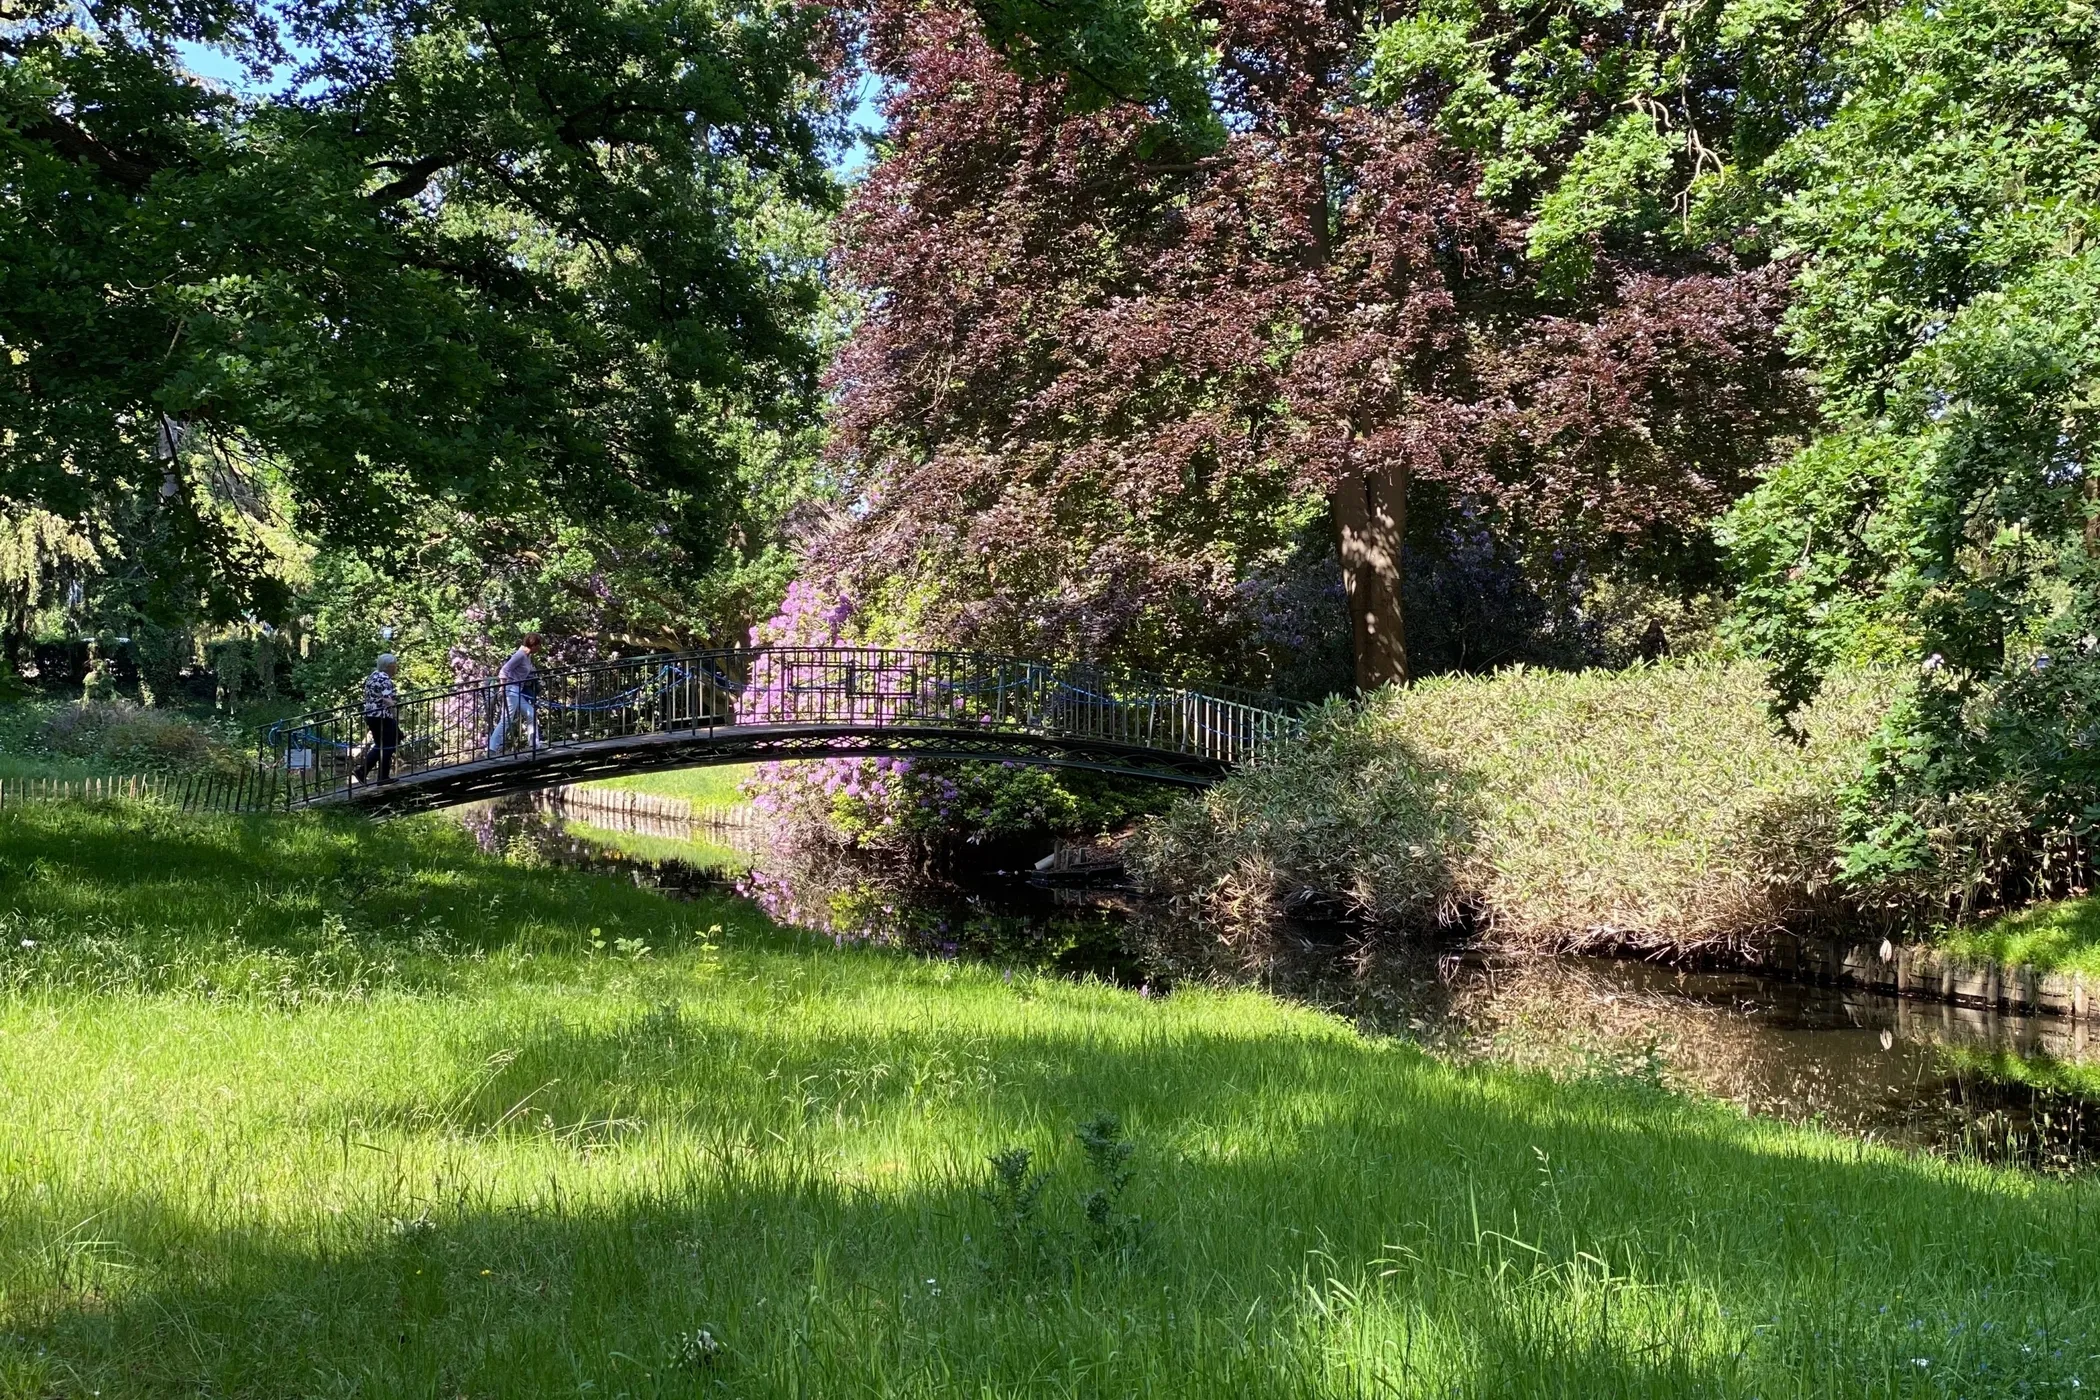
<point x="1370" y="521"/>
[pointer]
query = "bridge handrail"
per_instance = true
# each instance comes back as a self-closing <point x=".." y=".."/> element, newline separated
<point x="846" y="688"/>
<point x="1260" y="701"/>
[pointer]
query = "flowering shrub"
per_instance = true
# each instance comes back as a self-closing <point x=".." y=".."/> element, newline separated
<point x="894" y="803"/>
<point x="854" y="900"/>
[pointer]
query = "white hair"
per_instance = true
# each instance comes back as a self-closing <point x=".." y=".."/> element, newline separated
<point x="386" y="659"/>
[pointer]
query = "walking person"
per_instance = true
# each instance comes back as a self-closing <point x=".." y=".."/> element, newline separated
<point x="517" y="697"/>
<point x="382" y="711"/>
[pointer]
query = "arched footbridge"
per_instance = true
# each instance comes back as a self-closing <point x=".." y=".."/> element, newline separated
<point x="688" y="709"/>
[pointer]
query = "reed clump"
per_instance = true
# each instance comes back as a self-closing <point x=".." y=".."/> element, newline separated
<point x="133" y="738"/>
<point x="1657" y="808"/>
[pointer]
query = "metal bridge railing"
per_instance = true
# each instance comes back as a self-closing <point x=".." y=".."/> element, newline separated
<point x="845" y="690"/>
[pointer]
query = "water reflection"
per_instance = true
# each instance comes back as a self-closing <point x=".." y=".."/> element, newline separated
<point x="671" y="856"/>
<point x="1953" y="1079"/>
<point x="1977" y="1083"/>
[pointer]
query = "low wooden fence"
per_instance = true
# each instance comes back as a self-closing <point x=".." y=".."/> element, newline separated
<point x="249" y="792"/>
<point x="190" y="792"/>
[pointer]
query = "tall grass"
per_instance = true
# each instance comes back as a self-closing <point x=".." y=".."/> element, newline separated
<point x="305" y="1108"/>
<point x="1656" y="807"/>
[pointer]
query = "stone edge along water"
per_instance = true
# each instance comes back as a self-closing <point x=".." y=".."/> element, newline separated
<point x="1922" y="971"/>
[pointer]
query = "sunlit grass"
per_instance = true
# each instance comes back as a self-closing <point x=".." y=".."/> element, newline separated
<point x="2059" y="937"/>
<point x="701" y="786"/>
<point x="308" y="1108"/>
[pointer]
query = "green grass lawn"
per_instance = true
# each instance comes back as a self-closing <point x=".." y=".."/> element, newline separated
<point x="301" y="1107"/>
<point x="15" y="768"/>
<point x="701" y="786"/>
<point x="2064" y="936"/>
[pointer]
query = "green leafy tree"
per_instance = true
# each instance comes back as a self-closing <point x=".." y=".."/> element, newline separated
<point x="40" y="556"/>
<point x="1949" y="521"/>
<point x="1636" y="130"/>
<point x="490" y="257"/>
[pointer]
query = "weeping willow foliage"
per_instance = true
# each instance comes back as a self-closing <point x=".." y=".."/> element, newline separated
<point x="40" y="553"/>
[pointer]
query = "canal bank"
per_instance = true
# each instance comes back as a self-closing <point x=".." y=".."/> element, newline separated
<point x="1930" y="973"/>
<point x="1793" y="1042"/>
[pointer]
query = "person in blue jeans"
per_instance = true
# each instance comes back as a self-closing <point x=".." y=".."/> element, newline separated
<point x="517" y="698"/>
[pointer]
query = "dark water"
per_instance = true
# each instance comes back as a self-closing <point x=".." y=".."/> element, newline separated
<point x="1956" y="1080"/>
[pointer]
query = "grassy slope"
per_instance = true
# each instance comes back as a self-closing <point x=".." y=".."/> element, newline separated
<point x="701" y="786"/>
<point x="307" y="1108"/>
<point x="2062" y="936"/>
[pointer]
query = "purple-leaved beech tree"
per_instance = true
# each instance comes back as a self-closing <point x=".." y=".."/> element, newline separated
<point x="1106" y="373"/>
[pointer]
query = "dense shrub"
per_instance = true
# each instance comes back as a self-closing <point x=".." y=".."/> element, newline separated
<point x="901" y="804"/>
<point x="1654" y="808"/>
<point x="133" y="738"/>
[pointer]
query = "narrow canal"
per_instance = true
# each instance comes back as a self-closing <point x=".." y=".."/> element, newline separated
<point x="1956" y="1080"/>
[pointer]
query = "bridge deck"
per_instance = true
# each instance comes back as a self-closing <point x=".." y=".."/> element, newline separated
<point x="687" y="709"/>
<point x="575" y="762"/>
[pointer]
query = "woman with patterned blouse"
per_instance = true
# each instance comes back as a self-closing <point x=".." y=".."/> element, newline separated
<point x="382" y="709"/>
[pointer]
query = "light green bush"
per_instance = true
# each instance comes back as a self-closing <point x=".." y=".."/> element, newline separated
<point x="132" y="738"/>
<point x="1650" y="808"/>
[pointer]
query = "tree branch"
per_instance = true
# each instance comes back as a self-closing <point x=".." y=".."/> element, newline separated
<point x="76" y="144"/>
<point x="414" y="178"/>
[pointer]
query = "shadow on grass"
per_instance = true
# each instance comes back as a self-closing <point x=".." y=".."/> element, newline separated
<point x="789" y="1151"/>
<point x="1327" y="1217"/>
<point x="810" y="1289"/>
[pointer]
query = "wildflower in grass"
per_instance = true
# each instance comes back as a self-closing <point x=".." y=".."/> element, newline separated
<point x="695" y="1349"/>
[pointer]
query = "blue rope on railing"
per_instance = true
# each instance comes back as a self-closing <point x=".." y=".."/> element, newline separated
<point x="634" y="694"/>
<point x="304" y="737"/>
<point x="624" y="700"/>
